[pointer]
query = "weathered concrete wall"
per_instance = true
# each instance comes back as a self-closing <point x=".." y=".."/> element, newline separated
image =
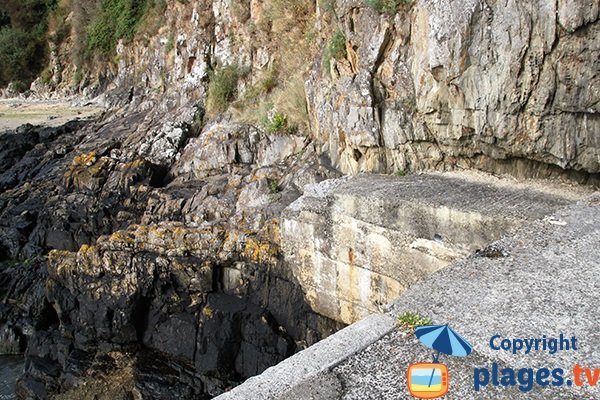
<point x="356" y="244"/>
<point x="550" y="266"/>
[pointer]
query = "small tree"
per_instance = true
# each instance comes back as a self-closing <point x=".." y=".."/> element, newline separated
<point x="19" y="56"/>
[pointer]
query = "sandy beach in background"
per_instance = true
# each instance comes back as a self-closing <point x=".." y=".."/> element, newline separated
<point x="16" y="112"/>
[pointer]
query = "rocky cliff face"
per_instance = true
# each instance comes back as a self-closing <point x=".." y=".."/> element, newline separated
<point x="503" y="86"/>
<point x="193" y="299"/>
<point x="162" y="217"/>
<point x="414" y="85"/>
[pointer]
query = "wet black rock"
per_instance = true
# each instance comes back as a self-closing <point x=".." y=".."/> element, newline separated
<point x="23" y="305"/>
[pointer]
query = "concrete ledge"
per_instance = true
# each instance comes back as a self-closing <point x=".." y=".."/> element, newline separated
<point x="307" y="364"/>
<point x="356" y="244"/>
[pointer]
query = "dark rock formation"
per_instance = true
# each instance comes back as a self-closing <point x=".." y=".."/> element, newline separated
<point x="23" y="304"/>
<point x="192" y="306"/>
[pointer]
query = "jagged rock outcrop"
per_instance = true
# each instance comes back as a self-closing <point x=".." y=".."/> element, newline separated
<point x="503" y="86"/>
<point x="166" y="289"/>
<point x="506" y="87"/>
<point x="23" y="304"/>
<point x="134" y="295"/>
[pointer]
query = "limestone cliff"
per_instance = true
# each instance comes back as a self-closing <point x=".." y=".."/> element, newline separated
<point x="429" y="84"/>
<point x="504" y="86"/>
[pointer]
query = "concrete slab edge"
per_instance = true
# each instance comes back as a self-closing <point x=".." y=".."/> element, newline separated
<point x="322" y="356"/>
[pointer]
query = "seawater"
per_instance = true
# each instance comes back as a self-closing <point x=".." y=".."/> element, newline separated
<point x="10" y="369"/>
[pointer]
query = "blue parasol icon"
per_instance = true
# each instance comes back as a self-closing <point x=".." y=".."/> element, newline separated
<point x="443" y="339"/>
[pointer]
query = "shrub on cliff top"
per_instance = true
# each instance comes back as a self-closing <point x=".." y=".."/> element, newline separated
<point x="116" y="19"/>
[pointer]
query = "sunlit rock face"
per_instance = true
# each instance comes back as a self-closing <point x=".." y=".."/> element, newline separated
<point x="441" y="84"/>
<point x="164" y="220"/>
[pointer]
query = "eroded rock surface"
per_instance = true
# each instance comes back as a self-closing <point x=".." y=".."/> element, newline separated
<point x="163" y="220"/>
<point x="193" y="299"/>
<point x="502" y="86"/>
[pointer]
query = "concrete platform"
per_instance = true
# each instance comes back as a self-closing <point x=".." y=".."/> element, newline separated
<point x="356" y="244"/>
<point x="542" y="279"/>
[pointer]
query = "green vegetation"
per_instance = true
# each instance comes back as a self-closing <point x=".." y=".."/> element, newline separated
<point x="26" y="26"/>
<point x="116" y="19"/>
<point x="222" y="88"/>
<point x="77" y="77"/>
<point x="100" y="24"/>
<point x="152" y="18"/>
<point x="273" y="186"/>
<point x="413" y="320"/>
<point x="389" y="7"/>
<point x="170" y="42"/>
<point x="17" y="49"/>
<point x="46" y="76"/>
<point x="400" y="172"/>
<point x="23" y="48"/>
<point x="336" y="48"/>
<point x="328" y="6"/>
<point x="280" y="85"/>
<point x="310" y="36"/>
<point x="254" y="93"/>
<point x="270" y="80"/>
<point x="277" y="122"/>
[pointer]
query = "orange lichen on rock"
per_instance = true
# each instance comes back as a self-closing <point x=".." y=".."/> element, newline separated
<point x="85" y="159"/>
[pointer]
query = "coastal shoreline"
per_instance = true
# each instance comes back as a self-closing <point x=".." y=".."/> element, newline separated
<point x="15" y="112"/>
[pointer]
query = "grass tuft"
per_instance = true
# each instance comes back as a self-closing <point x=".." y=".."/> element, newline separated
<point x="222" y="88"/>
<point x="389" y="7"/>
<point x="274" y="187"/>
<point x="278" y="123"/>
<point x="336" y="49"/>
<point x="413" y="320"/>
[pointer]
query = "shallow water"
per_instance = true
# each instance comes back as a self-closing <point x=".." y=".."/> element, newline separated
<point x="10" y="368"/>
